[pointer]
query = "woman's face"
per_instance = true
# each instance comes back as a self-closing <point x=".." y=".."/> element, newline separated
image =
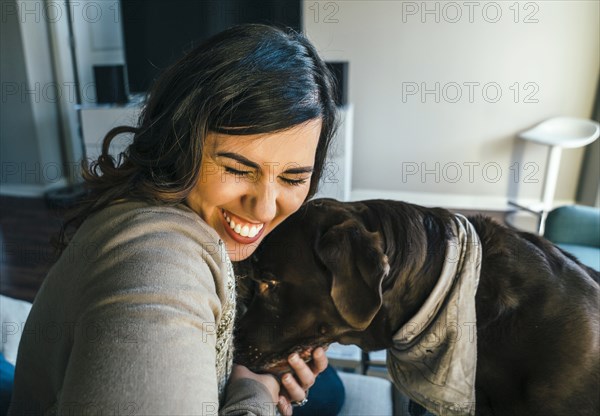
<point x="249" y="184"/>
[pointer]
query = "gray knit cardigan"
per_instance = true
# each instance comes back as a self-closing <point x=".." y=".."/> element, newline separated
<point x="135" y="318"/>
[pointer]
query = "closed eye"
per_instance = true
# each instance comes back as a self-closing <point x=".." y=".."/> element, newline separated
<point x="245" y="173"/>
<point x="294" y="182"/>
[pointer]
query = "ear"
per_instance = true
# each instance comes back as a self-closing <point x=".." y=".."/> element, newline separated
<point x="355" y="258"/>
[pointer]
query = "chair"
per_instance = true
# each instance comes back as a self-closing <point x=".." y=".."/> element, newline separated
<point x="557" y="133"/>
<point x="576" y="229"/>
<point x="367" y="395"/>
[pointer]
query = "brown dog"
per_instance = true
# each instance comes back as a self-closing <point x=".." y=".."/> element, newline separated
<point x="361" y="273"/>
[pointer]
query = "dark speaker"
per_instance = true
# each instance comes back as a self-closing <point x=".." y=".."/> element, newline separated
<point x="340" y="73"/>
<point x="110" y="84"/>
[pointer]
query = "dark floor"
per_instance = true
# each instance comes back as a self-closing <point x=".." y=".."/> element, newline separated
<point x="26" y="228"/>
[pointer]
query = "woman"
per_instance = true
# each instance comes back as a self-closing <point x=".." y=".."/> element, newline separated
<point x="136" y="316"/>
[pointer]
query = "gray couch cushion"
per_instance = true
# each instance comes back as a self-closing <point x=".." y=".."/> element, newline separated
<point x="366" y="395"/>
<point x="13" y="314"/>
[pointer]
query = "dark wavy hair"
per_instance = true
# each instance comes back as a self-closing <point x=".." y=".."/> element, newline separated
<point x="249" y="79"/>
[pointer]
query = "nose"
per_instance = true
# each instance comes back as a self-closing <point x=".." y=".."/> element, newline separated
<point x="263" y="200"/>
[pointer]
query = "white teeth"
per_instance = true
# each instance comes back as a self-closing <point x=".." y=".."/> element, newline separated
<point x="249" y="231"/>
<point x="253" y="231"/>
<point x="245" y="231"/>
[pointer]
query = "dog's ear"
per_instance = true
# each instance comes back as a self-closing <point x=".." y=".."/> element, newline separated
<point x="355" y="258"/>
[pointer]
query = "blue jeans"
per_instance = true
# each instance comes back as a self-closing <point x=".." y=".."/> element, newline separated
<point x="326" y="396"/>
<point x="7" y="375"/>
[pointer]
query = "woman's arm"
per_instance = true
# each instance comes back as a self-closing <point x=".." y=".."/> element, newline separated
<point x="295" y="387"/>
<point x="145" y="341"/>
<point x="150" y="357"/>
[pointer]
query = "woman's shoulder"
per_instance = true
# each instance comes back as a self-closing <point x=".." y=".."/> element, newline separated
<point x="126" y="212"/>
<point x="138" y="219"/>
<point x="139" y="247"/>
<point x="145" y="235"/>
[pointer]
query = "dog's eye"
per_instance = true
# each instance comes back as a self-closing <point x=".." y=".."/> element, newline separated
<point x="267" y="286"/>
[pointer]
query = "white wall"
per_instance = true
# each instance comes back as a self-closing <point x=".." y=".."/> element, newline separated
<point x="41" y="145"/>
<point x="390" y="50"/>
<point x="18" y="145"/>
<point x="551" y="51"/>
<point x="31" y="153"/>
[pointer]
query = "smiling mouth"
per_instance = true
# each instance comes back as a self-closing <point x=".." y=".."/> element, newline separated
<point x="241" y="231"/>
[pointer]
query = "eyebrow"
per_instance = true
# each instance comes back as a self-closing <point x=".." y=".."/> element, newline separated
<point x="244" y="161"/>
<point x="301" y="169"/>
<point x="240" y="159"/>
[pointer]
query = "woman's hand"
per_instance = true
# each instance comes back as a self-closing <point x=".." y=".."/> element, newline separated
<point x="296" y="388"/>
